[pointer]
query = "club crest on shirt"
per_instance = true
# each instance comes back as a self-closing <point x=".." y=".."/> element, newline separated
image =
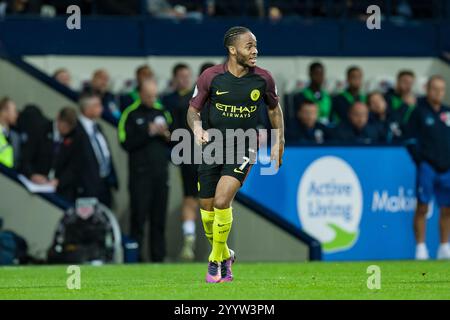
<point x="255" y="94"/>
<point x="429" y="121"/>
<point x="445" y="118"/>
<point x="318" y="135"/>
<point x="140" y="121"/>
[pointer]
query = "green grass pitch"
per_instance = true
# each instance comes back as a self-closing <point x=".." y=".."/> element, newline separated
<point x="308" y="280"/>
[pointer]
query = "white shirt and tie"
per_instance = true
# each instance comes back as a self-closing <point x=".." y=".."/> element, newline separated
<point x="99" y="145"/>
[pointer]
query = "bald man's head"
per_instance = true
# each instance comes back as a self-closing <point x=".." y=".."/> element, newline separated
<point x="148" y="92"/>
<point x="436" y="90"/>
<point x="359" y="115"/>
<point x="100" y="81"/>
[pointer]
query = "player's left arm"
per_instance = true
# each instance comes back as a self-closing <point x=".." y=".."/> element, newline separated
<point x="277" y="122"/>
<point x="276" y="118"/>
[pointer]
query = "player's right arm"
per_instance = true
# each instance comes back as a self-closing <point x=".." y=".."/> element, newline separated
<point x="195" y="123"/>
<point x="198" y="100"/>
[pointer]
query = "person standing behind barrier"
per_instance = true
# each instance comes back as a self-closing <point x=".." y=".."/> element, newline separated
<point x="347" y="98"/>
<point x="178" y="104"/>
<point x="9" y="139"/>
<point x="401" y="100"/>
<point x="62" y="75"/>
<point x="96" y="175"/>
<point x="100" y="86"/>
<point x="315" y="92"/>
<point x="142" y="72"/>
<point x="144" y="134"/>
<point x="428" y="131"/>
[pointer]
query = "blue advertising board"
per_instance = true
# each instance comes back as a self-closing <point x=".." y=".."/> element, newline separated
<point x="357" y="201"/>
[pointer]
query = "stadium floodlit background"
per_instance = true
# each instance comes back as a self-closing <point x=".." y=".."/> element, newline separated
<point x="297" y="215"/>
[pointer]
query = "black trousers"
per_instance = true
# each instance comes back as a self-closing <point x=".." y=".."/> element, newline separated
<point x="148" y="197"/>
<point x="104" y="193"/>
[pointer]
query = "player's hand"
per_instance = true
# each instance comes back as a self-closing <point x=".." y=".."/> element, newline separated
<point x="201" y="136"/>
<point x="276" y="153"/>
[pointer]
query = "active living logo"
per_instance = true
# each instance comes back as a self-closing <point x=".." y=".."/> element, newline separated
<point x="330" y="203"/>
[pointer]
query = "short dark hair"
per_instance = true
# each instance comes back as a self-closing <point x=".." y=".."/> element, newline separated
<point x="232" y="34"/>
<point x="315" y="65"/>
<point x="68" y="115"/>
<point x="306" y="102"/>
<point x="178" y="67"/>
<point x="142" y="67"/>
<point x="403" y="73"/>
<point x="352" y="69"/>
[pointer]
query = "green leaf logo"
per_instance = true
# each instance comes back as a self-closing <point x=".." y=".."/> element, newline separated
<point x="342" y="240"/>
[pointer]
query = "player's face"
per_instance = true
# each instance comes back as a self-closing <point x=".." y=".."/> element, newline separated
<point x="183" y="79"/>
<point x="94" y="109"/>
<point x="359" y="115"/>
<point x="11" y="113"/>
<point x="317" y="76"/>
<point x="246" y="51"/>
<point x="355" y="79"/>
<point x="436" y="91"/>
<point x="149" y="93"/>
<point x="308" y="115"/>
<point x="64" y="128"/>
<point x="377" y="104"/>
<point x="64" y="78"/>
<point x="100" y="81"/>
<point x="405" y="84"/>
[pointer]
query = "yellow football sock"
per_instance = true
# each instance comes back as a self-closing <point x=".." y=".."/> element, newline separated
<point x="223" y="219"/>
<point x="225" y="252"/>
<point x="208" y="219"/>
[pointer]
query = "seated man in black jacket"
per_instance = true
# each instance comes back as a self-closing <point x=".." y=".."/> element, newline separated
<point x="41" y="153"/>
<point x="357" y="130"/>
<point x="383" y="118"/>
<point x="309" y="129"/>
